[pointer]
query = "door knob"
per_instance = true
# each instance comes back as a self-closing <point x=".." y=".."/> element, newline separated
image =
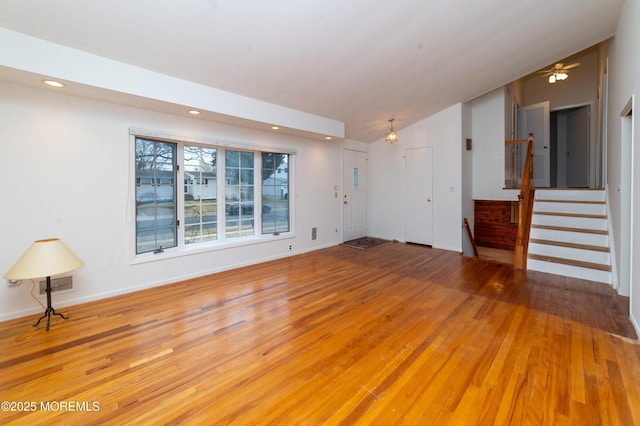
<point x="429" y="199"/>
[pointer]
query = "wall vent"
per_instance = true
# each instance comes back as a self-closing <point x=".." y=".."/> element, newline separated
<point x="57" y="284"/>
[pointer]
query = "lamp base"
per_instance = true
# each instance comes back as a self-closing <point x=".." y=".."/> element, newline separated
<point x="47" y="315"/>
<point x="49" y="310"/>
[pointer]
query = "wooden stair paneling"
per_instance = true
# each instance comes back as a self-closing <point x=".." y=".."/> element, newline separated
<point x="493" y="224"/>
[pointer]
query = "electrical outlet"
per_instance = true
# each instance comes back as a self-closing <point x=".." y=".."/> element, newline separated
<point x="314" y="233"/>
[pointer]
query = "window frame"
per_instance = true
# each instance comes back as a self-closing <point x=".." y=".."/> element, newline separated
<point x="276" y="199"/>
<point x="222" y="243"/>
<point x="154" y="184"/>
<point x="199" y="200"/>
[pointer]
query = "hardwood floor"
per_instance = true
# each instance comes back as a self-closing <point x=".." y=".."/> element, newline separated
<point x="497" y="255"/>
<point x="396" y="334"/>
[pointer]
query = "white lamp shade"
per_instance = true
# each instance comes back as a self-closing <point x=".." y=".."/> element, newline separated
<point x="43" y="259"/>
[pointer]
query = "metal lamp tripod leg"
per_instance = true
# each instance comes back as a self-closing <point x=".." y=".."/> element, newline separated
<point x="49" y="310"/>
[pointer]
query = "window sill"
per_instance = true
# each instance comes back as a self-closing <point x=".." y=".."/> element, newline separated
<point x="176" y="252"/>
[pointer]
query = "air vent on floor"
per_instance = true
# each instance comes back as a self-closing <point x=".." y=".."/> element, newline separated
<point x="57" y="284"/>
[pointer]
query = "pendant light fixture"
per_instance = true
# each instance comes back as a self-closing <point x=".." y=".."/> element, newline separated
<point x="391" y="136"/>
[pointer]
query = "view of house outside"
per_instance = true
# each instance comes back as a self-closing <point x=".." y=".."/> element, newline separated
<point x="157" y="194"/>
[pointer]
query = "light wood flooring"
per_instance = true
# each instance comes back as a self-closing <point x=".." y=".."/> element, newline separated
<point x="396" y="334"/>
<point x="497" y="255"/>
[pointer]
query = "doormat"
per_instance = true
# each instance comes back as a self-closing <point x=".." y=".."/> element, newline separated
<point x="365" y="242"/>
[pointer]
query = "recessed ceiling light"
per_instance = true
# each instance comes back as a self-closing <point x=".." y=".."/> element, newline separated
<point x="328" y="138"/>
<point x="194" y="112"/>
<point x="275" y="128"/>
<point x="53" y="83"/>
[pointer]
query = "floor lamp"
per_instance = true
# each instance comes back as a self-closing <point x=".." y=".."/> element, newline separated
<point x="43" y="259"/>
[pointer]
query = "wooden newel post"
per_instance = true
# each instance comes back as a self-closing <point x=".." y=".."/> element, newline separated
<point x="525" y="209"/>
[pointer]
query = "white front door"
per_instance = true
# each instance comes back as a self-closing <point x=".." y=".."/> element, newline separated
<point x="418" y="206"/>
<point x="535" y="119"/>
<point x="355" y="176"/>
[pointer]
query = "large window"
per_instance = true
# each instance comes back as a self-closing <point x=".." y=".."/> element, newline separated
<point x="190" y="195"/>
<point x="239" y="199"/>
<point x="275" y="193"/>
<point x="155" y="195"/>
<point x="200" y="194"/>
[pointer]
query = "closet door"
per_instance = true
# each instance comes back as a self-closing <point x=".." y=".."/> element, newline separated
<point x="418" y="206"/>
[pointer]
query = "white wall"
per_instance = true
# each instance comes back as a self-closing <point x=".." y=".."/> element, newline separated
<point x="64" y="170"/>
<point x="443" y="132"/>
<point x="624" y="81"/>
<point x="467" y="177"/>
<point x="488" y="130"/>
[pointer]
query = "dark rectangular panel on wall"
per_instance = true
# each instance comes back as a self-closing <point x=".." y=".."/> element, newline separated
<point x="494" y="223"/>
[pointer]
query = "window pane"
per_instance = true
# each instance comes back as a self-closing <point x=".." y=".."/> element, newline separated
<point x="246" y="160"/>
<point x="239" y="199"/>
<point x="246" y="177"/>
<point x="200" y="194"/>
<point x="155" y="195"/>
<point x="232" y="158"/>
<point x="275" y="193"/>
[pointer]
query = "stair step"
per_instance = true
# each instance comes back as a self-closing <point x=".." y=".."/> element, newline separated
<point x="570" y="221"/>
<point x="591" y="216"/>
<point x="586" y="238"/>
<point x="596" y="275"/>
<point x="570" y="201"/>
<point x="568" y="229"/>
<point x="570" y="245"/>
<point x="570" y="194"/>
<point x="578" y="263"/>
<point x="569" y="234"/>
<point x="570" y="253"/>
<point x="578" y="207"/>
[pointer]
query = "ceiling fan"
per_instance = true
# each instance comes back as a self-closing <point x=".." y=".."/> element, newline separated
<point x="558" y="72"/>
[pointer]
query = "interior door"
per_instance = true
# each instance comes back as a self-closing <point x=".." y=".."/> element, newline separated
<point x="355" y="194"/>
<point x="578" y="147"/>
<point x="419" y="195"/>
<point x="535" y="119"/>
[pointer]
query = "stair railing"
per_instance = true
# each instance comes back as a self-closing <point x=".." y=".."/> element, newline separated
<point x="525" y="205"/>
<point x="473" y="242"/>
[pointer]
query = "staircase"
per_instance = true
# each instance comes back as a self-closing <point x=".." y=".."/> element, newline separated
<point x="569" y="234"/>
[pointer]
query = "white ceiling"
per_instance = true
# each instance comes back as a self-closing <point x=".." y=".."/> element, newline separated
<point x="359" y="62"/>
